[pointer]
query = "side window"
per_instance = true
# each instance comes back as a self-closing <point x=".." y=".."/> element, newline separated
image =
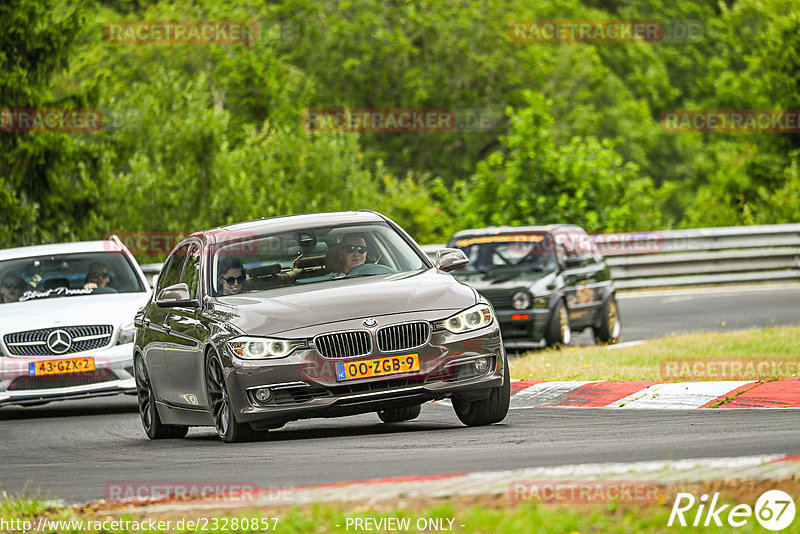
<point x="172" y="273"/>
<point x="563" y="247"/>
<point x="585" y="248"/>
<point x="575" y="244"/>
<point x="191" y="272"/>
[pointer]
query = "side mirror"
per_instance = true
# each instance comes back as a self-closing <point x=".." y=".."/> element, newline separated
<point x="176" y="296"/>
<point x="448" y="259"/>
<point x="572" y="262"/>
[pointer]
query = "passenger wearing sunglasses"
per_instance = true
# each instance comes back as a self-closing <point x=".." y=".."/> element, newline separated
<point x="352" y="252"/>
<point x="11" y="288"/>
<point x="232" y="277"/>
<point x="98" y="277"/>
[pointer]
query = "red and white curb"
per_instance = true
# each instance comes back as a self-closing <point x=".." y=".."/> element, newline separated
<point x="762" y="467"/>
<point x="655" y="395"/>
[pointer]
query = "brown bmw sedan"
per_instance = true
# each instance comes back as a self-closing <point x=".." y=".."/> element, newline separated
<point x="321" y="315"/>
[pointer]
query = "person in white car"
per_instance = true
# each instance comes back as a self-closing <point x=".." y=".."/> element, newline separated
<point x="11" y="288"/>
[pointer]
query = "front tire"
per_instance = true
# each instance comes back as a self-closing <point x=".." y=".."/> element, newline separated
<point x="151" y="422"/>
<point x="558" y="331"/>
<point x="398" y="415"/>
<point x="230" y="430"/>
<point x="610" y="326"/>
<point x="490" y="410"/>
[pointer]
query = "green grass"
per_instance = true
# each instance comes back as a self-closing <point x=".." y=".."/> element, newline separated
<point x="328" y="518"/>
<point x="644" y="362"/>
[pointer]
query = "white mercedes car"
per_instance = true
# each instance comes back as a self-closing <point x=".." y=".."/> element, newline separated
<point x="66" y="321"/>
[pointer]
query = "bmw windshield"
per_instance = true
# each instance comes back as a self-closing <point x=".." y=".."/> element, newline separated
<point x="66" y="275"/>
<point x="310" y="256"/>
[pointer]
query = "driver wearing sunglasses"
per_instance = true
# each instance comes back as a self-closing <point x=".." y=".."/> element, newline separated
<point x="352" y="252"/>
<point x="11" y="288"/>
<point x="232" y="277"/>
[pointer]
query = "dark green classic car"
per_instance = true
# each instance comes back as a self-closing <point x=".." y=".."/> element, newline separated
<point x="544" y="282"/>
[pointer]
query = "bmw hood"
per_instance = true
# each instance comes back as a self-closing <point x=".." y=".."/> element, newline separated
<point x="116" y="309"/>
<point x="279" y="310"/>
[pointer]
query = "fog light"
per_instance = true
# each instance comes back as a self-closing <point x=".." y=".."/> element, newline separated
<point x="481" y="365"/>
<point x="263" y="394"/>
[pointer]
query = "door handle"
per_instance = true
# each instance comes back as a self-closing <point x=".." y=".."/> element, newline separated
<point x="167" y="327"/>
<point x="146" y="322"/>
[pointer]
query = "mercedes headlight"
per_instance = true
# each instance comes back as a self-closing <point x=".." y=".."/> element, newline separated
<point x="260" y="348"/>
<point x="126" y="334"/>
<point x="470" y="319"/>
<point x="521" y="300"/>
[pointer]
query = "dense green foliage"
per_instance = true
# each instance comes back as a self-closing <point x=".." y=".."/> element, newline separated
<point x="198" y="135"/>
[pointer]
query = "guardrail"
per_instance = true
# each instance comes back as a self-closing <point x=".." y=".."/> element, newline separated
<point x="698" y="256"/>
<point x="151" y="271"/>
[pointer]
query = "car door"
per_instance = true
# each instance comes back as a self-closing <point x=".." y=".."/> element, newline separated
<point x="579" y="273"/>
<point x="185" y="332"/>
<point x="154" y="320"/>
<point x="588" y="292"/>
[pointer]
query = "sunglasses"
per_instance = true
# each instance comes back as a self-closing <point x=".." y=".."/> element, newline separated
<point x="349" y="249"/>
<point x="99" y="275"/>
<point x="12" y="285"/>
<point x="234" y="280"/>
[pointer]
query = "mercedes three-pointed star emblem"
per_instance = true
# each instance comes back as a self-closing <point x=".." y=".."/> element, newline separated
<point x="59" y="341"/>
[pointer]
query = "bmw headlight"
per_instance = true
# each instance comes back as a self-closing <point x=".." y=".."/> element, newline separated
<point x="470" y="319"/>
<point x="260" y="348"/>
<point x="126" y="334"/>
<point x="521" y="300"/>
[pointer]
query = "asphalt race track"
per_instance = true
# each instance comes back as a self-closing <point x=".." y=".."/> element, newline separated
<point x="72" y="450"/>
<point x="648" y="315"/>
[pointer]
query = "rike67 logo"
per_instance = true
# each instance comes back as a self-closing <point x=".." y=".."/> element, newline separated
<point x="774" y="510"/>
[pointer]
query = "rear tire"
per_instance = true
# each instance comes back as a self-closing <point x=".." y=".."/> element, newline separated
<point x="558" y="331"/>
<point x="492" y="409"/>
<point x="610" y="326"/>
<point x="398" y="415"/>
<point x="230" y="430"/>
<point x="148" y="413"/>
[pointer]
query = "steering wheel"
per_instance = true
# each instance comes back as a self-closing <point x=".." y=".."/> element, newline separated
<point x="370" y="268"/>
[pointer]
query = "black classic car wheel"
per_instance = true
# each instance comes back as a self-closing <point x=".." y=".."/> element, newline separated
<point x="558" y="331"/>
<point x="151" y="422"/>
<point x="492" y="409"/>
<point x="230" y="430"/>
<point x="398" y="415"/>
<point x="611" y="326"/>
